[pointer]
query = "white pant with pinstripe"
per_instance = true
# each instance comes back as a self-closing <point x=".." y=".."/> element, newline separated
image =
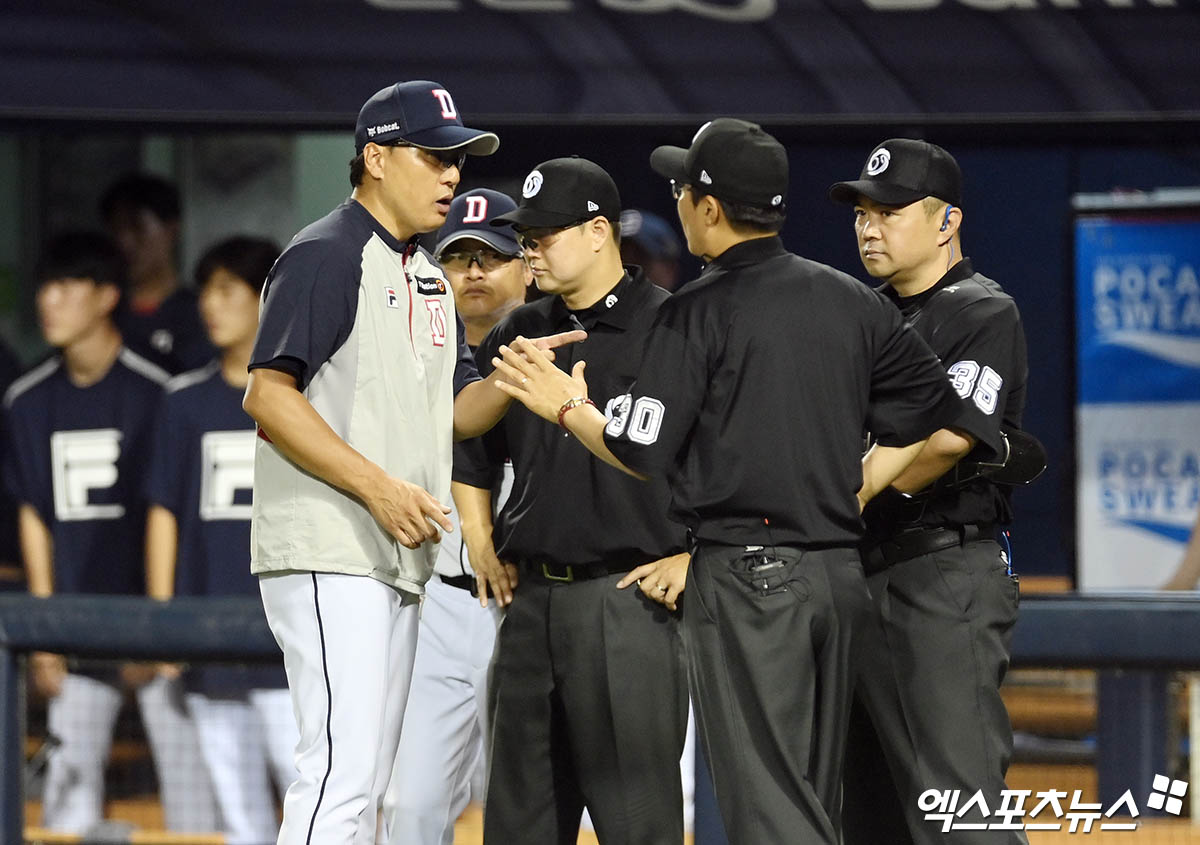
<point x="348" y="645"/>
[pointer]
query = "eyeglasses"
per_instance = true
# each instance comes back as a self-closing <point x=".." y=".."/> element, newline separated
<point x="677" y="189"/>
<point x="529" y="238"/>
<point x="488" y="260"/>
<point x="446" y="158"/>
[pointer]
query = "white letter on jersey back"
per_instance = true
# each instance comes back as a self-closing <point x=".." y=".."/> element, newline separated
<point x="226" y="466"/>
<point x="82" y="461"/>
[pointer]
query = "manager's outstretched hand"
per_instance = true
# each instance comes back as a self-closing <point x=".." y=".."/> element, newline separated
<point x="531" y="378"/>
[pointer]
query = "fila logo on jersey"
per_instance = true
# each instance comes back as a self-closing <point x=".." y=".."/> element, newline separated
<point x="533" y="184"/>
<point x="476" y="210"/>
<point x="879" y="162"/>
<point x="82" y="462"/>
<point x="226" y="469"/>
<point x="443" y="96"/>
<point x="431" y="286"/>
<point x="393" y="301"/>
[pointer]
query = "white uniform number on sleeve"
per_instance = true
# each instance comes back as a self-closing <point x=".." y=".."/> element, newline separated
<point x="643" y="418"/>
<point x="617" y="411"/>
<point x="981" y="386"/>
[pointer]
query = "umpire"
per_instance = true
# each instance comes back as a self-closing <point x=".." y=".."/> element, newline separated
<point x="588" y="692"/>
<point x="943" y="589"/>
<point x="755" y="386"/>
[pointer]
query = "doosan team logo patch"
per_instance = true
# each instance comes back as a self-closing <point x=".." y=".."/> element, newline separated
<point x="430" y="286"/>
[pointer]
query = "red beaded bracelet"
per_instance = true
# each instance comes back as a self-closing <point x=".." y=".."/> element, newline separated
<point x="572" y="403"/>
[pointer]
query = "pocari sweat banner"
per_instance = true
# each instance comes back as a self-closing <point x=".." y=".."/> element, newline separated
<point x="1138" y="437"/>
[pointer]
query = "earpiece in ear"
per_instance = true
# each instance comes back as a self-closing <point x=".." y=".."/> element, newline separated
<point x="946" y="219"/>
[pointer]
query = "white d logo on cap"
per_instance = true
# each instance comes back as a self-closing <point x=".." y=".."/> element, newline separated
<point x="879" y="162"/>
<point x="533" y="184"/>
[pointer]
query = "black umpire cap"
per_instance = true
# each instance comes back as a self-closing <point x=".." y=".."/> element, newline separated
<point x="562" y="192"/>
<point x="420" y="113"/>
<point x="901" y="171"/>
<point x="731" y="159"/>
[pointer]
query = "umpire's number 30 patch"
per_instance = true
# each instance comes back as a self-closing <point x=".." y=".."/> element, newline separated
<point x="981" y="386"/>
<point x="642" y="419"/>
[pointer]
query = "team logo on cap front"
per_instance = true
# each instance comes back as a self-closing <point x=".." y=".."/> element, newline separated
<point x="533" y="184"/>
<point x="449" y="112"/>
<point x="879" y="162"/>
<point x="476" y="209"/>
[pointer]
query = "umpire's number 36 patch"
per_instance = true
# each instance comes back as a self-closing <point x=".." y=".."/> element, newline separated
<point x="642" y="419"/>
<point x="981" y="385"/>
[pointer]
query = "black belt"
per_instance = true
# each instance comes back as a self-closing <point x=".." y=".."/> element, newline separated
<point x="463" y="582"/>
<point x="914" y="543"/>
<point x="566" y="573"/>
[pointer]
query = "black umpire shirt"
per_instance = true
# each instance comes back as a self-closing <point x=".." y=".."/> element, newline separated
<point x="975" y="328"/>
<point x="756" y="385"/>
<point x="567" y="507"/>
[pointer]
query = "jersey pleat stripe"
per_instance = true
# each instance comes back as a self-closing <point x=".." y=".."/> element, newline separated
<point x="32" y="378"/>
<point x="140" y="365"/>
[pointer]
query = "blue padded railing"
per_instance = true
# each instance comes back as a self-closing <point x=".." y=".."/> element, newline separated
<point x="1147" y="631"/>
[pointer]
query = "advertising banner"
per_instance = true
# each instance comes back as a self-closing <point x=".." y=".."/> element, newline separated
<point x="1138" y="418"/>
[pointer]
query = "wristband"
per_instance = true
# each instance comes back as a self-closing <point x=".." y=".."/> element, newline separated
<point x="572" y="403"/>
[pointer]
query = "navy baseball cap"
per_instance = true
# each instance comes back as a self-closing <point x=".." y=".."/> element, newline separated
<point x="731" y="159"/>
<point x="650" y="232"/>
<point x="470" y="216"/>
<point x="562" y="192"/>
<point x="901" y="171"/>
<point x="420" y="113"/>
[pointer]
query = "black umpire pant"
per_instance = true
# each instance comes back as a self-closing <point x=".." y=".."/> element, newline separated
<point x="770" y="660"/>
<point x="589" y="707"/>
<point x="933" y="662"/>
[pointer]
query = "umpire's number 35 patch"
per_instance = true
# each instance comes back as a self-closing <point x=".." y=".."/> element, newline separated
<point x="981" y="385"/>
<point x="640" y="420"/>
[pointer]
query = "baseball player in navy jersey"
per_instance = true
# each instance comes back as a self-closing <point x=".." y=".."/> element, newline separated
<point x="442" y="762"/>
<point x="198" y="534"/>
<point x="944" y="595"/>
<point x="79" y="427"/>
<point x="158" y="316"/>
<point x="360" y="378"/>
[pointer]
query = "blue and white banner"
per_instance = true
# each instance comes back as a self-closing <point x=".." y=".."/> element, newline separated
<point x="1138" y="336"/>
